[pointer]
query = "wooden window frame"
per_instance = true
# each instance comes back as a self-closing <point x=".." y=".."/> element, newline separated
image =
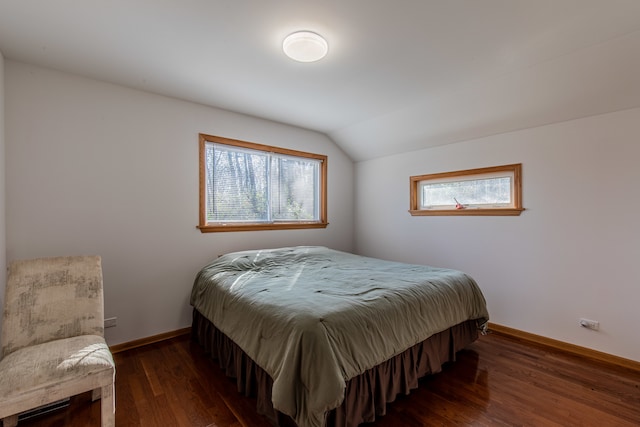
<point x="514" y="210"/>
<point x="212" y="227"/>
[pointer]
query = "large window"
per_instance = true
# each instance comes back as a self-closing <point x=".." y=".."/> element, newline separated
<point x="486" y="191"/>
<point x="247" y="186"/>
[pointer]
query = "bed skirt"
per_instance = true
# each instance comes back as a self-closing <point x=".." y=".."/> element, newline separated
<point x="366" y="395"/>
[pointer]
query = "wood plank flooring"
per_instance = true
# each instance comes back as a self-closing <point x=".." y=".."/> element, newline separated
<point x="496" y="381"/>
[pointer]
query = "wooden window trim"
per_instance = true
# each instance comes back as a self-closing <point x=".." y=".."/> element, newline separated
<point x="516" y="210"/>
<point x="207" y="227"/>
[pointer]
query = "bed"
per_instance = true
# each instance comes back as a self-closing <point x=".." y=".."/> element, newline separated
<point x="326" y="338"/>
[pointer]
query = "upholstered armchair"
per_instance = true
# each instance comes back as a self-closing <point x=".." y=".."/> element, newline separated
<point x="52" y="343"/>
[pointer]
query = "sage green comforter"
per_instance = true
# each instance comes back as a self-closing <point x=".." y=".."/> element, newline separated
<point x="313" y="317"/>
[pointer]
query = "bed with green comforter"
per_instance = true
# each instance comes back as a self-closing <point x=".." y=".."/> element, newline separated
<point x="314" y="317"/>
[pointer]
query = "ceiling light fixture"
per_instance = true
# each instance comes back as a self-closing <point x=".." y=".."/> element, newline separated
<point x="305" y="46"/>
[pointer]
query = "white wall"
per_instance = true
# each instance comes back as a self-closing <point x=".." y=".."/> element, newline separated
<point x="3" y="258"/>
<point x="573" y="253"/>
<point x="103" y="169"/>
<point x="98" y="168"/>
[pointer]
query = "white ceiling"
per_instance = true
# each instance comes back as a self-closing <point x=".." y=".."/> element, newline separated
<point x="400" y="75"/>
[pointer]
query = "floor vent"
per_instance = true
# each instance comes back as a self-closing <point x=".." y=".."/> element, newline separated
<point x="54" y="406"/>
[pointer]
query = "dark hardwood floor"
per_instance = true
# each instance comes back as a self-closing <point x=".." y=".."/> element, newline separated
<point x="496" y="381"/>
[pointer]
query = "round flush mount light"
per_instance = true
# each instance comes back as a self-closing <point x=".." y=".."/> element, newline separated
<point x="305" y="46"/>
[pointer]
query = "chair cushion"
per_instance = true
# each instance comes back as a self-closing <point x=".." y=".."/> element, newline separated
<point x="43" y="365"/>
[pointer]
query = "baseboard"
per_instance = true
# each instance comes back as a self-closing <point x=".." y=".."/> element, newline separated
<point x="566" y="347"/>
<point x="493" y="327"/>
<point x="149" y="340"/>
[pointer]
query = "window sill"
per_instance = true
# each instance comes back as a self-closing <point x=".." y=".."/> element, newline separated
<point x="470" y="212"/>
<point x="217" y="228"/>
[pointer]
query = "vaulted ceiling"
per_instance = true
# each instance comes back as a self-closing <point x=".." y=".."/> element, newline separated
<point x="400" y="75"/>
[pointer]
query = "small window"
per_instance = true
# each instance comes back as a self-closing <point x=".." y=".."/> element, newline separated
<point x="247" y="186"/>
<point x="486" y="191"/>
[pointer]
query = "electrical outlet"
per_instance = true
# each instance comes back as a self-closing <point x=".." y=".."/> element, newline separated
<point x="110" y="322"/>
<point x="589" y="324"/>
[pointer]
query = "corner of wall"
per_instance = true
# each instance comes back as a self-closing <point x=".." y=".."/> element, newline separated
<point x="3" y="258"/>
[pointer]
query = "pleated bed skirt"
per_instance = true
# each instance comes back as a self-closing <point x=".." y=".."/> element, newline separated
<point x="366" y="395"/>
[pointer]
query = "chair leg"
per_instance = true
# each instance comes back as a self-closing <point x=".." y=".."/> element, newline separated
<point x="10" y="421"/>
<point x="107" y="406"/>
